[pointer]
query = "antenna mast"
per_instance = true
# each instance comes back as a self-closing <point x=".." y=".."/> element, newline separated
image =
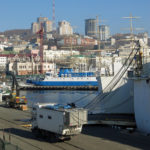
<point x="131" y="24"/>
<point x="54" y="24"/>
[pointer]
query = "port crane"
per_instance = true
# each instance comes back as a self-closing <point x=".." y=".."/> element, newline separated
<point x="40" y="33"/>
<point x="15" y="100"/>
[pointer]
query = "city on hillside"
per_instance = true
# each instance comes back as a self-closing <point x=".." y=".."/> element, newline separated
<point x="61" y="46"/>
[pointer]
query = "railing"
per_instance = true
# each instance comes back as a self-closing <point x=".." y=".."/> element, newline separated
<point x="8" y="146"/>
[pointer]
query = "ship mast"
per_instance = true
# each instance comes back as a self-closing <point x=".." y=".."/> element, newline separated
<point x="138" y="57"/>
<point x="131" y="28"/>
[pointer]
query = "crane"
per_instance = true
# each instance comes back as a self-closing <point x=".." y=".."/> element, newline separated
<point x="41" y="33"/>
<point x="15" y="100"/>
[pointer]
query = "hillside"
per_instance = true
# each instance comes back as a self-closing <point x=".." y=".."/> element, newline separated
<point x="24" y="33"/>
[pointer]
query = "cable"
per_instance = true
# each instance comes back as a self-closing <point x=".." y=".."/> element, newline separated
<point x="100" y="99"/>
<point x="109" y="87"/>
<point x="82" y="98"/>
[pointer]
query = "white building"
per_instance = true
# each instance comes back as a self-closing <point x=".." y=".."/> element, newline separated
<point x="18" y="48"/>
<point x="108" y="66"/>
<point x="3" y="63"/>
<point x="47" y="25"/>
<point x="65" y="28"/>
<point x="104" y="32"/>
<point x="35" y="27"/>
<point x="52" y="55"/>
<point x="26" y="68"/>
<point x="2" y="46"/>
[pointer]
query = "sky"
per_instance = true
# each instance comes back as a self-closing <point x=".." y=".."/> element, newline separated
<point x="19" y="14"/>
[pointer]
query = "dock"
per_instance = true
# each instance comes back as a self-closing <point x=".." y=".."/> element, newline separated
<point x="112" y="119"/>
<point x="14" y="124"/>
<point x="33" y="87"/>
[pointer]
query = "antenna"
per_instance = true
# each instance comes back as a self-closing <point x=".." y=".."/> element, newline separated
<point x="131" y="23"/>
<point x="54" y="24"/>
<point x="131" y="27"/>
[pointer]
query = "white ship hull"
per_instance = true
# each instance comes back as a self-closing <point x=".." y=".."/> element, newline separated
<point x="115" y="91"/>
<point x="119" y="100"/>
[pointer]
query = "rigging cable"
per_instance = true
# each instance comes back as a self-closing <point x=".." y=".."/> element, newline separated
<point x="109" y="87"/>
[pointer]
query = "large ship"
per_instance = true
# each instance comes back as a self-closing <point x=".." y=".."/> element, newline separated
<point x="115" y="91"/>
<point x="66" y="77"/>
<point x="116" y="94"/>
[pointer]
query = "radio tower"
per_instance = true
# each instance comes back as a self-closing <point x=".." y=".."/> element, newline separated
<point x="54" y="24"/>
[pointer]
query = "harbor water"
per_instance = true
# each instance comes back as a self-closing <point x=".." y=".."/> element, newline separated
<point x="81" y="98"/>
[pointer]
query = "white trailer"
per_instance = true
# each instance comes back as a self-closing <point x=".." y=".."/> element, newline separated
<point x="57" y="120"/>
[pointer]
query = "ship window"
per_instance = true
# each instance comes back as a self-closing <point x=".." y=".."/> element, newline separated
<point x="33" y="118"/>
<point x="49" y="117"/>
<point x="41" y="116"/>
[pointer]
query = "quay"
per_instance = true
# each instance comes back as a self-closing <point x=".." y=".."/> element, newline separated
<point x="125" y="120"/>
<point x="14" y="123"/>
<point x="33" y="87"/>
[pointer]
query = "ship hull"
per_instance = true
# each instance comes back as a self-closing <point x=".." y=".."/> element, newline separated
<point x="119" y="100"/>
<point x="65" y="83"/>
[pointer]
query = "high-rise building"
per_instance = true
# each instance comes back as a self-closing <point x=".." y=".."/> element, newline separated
<point x="104" y="32"/>
<point x="47" y="25"/>
<point x="65" y="28"/>
<point x="90" y="27"/>
<point x="42" y="19"/>
<point x="35" y="27"/>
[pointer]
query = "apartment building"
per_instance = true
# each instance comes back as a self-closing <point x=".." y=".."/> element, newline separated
<point x="65" y="28"/>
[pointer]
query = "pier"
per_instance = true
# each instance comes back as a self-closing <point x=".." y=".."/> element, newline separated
<point x="33" y="87"/>
<point x="127" y="120"/>
<point x="14" y="125"/>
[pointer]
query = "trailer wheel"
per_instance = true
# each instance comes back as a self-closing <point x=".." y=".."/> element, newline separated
<point x="11" y="104"/>
<point x="43" y="134"/>
<point x="68" y="138"/>
<point x="36" y="132"/>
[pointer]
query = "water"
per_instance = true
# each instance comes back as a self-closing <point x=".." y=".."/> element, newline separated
<point x="59" y="96"/>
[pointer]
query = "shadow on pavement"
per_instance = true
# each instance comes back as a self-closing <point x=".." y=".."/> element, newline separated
<point x="122" y="136"/>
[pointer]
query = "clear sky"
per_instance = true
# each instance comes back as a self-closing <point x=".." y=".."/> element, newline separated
<point x="19" y="14"/>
